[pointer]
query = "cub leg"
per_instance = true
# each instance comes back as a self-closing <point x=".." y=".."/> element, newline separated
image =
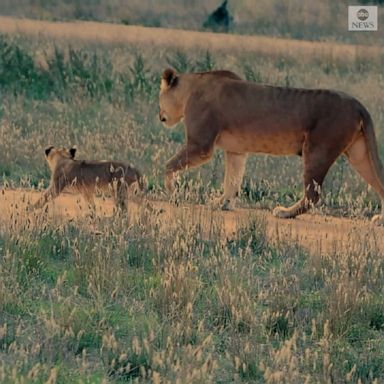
<point x="88" y="195"/>
<point x="51" y="193"/>
<point x="121" y="196"/>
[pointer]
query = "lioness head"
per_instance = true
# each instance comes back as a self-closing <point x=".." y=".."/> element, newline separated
<point x="55" y="155"/>
<point x="171" y="97"/>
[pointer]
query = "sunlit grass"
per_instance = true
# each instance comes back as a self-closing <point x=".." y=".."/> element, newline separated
<point x="321" y="20"/>
<point x="169" y="301"/>
<point x="153" y="298"/>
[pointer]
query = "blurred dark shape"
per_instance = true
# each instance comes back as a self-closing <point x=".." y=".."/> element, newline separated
<point x="219" y="20"/>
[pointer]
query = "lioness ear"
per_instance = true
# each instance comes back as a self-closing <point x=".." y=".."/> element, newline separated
<point x="72" y="152"/>
<point x="48" y="149"/>
<point x="168" y="79"/>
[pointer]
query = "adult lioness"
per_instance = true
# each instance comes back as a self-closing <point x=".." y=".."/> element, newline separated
<point x="221" y="110"/>
<point x="86" y="177"/>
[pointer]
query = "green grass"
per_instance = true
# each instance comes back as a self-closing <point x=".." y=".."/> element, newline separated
<point x="322" y="20"/>
<point x="108" y="300"/>
<point x="205" y="311"/>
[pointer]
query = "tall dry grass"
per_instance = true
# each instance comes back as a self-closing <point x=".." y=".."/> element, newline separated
<point x="109" y="300"/>
<point x="308" y="20"/>
<point x="172" y="39"/>
<point x="141" y="299"/>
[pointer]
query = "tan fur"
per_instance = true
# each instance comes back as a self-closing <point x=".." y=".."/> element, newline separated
<point x="220" y="110"/>
<point x="87" y="177"/>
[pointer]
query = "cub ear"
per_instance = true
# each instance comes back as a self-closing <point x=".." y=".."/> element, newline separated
<point x="72" y="152"/>
<point x="48" y="149"/>
<point x="168" y="79"/>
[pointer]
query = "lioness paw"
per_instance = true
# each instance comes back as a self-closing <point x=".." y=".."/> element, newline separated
<point x="378" y="219"/>
<point x="282" y="213"/>
<point x="226" y="205"/>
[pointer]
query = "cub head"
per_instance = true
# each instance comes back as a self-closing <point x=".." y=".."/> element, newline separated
<point x="55" y="155"/>
<point x="171" y="98"/>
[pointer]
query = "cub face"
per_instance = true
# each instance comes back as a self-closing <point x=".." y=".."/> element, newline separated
<point x="54" y="155"/>
<point x="170" y="99"/>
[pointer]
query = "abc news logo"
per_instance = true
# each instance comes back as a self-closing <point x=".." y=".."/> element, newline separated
<point x="361" y="18"/>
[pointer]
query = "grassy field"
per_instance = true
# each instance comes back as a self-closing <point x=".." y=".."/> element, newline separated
<point x="148" y="300"/>
<point x="154" y="300"/>
<point x="297" y="19"/>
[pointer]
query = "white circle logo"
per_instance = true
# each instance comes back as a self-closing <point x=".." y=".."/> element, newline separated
<point x="362" y="14"/>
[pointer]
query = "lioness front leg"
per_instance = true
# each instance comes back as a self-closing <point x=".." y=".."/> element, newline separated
<point x="234" y="172"/>
<point x="190" y="156"/>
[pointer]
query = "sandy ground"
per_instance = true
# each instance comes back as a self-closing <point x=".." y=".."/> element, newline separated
<point x="316" y="233"/>
<point x="127" y="34"/>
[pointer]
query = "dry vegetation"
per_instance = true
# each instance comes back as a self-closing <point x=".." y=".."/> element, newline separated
<point x="337" y="53"/>
<point x="297" y="19"/>
<point x="147" y="300"/>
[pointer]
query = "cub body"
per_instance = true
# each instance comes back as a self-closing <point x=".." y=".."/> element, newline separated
<point x="88" y="177"/>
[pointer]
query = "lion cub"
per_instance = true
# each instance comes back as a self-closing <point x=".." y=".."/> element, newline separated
<point x="87" y="177"/>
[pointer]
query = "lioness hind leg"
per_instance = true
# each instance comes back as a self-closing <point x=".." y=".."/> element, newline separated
<point x="358" y="157"/>
<point x="316" y="165"/>
<point x="234" y="172"/>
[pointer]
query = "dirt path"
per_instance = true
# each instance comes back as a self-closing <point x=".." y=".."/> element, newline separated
<point x="127" y="34"/>
<point x="315" y="232"/>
